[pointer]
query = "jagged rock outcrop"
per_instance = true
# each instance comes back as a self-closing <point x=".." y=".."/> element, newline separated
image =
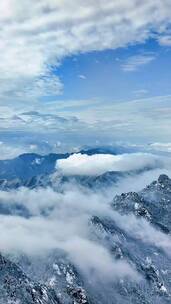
<point x="16" y="287"/>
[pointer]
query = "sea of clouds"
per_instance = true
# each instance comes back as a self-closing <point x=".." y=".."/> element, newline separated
<point x="51" y="219"/>
<point x="97" y="164"/>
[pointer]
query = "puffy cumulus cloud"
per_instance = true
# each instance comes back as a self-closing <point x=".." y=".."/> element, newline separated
<point x="97" y="164"/>
<point x="35" y="35"/>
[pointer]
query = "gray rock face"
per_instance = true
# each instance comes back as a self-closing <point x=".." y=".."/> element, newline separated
<point x="152" y="203"/>
<point x="16" y="287"/>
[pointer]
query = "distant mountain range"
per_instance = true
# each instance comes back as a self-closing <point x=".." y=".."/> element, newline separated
<point x="33" y="170"/>
<point x="29" y="165"/>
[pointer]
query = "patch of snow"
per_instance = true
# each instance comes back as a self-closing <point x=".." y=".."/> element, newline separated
<point x="69" y="278"/>
<point x="37" y="161"/>
<point x="52" y="281"/>
<point x="163" y="288"/>
<point x="56" y="268"/>
<point x="136" y="206"/>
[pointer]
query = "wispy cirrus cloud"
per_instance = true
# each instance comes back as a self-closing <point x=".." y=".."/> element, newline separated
<point x="81" y="76"/>
<point x="35" y="119"/>
<point x="140" y="92"/>
<point x="135" y="62"/>
<point x="161" y="146"/>
<point x="143" y="120"/>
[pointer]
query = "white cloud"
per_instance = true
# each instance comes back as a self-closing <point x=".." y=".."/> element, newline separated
<point x="135" y="62"/>
<point x="165" y="40"/>
<point x="67" y="226"/>
<point x="166" y="147"/>
<point x="97" y="164"/>
<point x="37" y="35"/>
<point x="8" y="151"/>
<point x="140" y="92"/>
<point x="34" y="120"/>
<point x="82" y="76"/>
<point x="141" y="229"/>
<point x="142" y="120"/>
<point x="61" y="220"/>
<point x="99" y="261"/>
<point x="137" y="183"/>
<point x="36" y="235"/>
<point x="68" y="212"/>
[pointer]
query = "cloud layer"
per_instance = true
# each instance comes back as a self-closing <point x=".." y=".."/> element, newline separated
<point x="37" y="35"/>
<point x="40" y="220"/>
<point x="62" y="221"/>
<point x="97" y="164"/>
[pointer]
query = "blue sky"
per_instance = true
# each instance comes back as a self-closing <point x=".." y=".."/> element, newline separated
<point x="77" y="73"/>
<point x="102" y="75"/>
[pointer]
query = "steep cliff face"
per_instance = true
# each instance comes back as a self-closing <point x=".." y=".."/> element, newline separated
<point x="152" y="203"/>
